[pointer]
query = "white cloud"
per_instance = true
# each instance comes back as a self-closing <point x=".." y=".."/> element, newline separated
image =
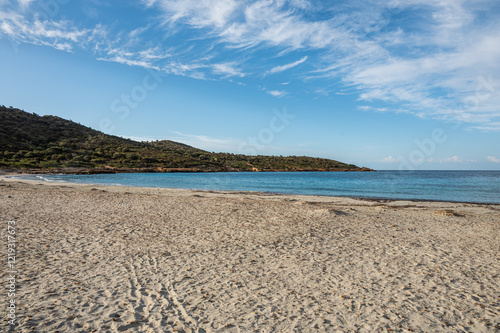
<point x="279" y="69"/>
<point x="25" y="3"/>
<point x="322" y="92"/>
<point x="136" y="32"/>
<point x="193" y="70"/>
<point x="415" y="82"/>
<point x="490" y="127"/>
<point x="245" y="24"/>
<point x="198" y="13"/>
<point x="430" y="67"/>
<point x="456" y="159"/>
<point x="493" y="159"/>
<point x="447" y="49"/>
<point x="129" y="62"/>
<point x="269" y="23"/>
<point x="389" y="159"/>
<point x="227" y="69"/>
<point x="206" y="142"/>
<point x="452" y="14"/>
<point x="154" y="54"/>
<point x="148" y="3"/>
<point x="61" y="35"/>
<point x="144" y="58"/>
<point x="277" y="93"/>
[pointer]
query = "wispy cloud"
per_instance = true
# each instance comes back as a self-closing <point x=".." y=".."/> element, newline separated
<point x="493" y="159"/>
<point x="453" y="159"/>
<point x="128" y="61"/>
<point x="193" y="70"/>
<point x="137" y="32"/>
<point x="432" y="79"/>
<point x="279" y="69"/>
<point x="389" y="159"/>
<point x="25" y="3"/>
<point x="435" y="66"/>
<point x="198" y="13"/>
<point x="456" y="159"/>
<point x="489" y="127"/>
<point x="61" y="35"/>
<point x="146" y="58"/>
<point x="277" y="93"/>
<point x="206" y="142"/>
<point x="227" y="69"/>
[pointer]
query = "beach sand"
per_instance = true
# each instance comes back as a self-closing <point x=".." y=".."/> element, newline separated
<point x="117" y="259"/>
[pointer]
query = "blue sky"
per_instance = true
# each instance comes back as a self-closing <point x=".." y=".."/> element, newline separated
<point x="385" y="84"/>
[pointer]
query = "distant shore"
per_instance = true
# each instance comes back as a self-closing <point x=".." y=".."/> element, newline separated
<point x="112" y="258"/>
<point x="110" y="170"/>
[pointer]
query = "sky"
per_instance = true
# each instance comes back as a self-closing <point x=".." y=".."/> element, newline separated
<point x="409" y="85"/>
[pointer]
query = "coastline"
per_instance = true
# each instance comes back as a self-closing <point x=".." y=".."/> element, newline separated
<point x="113" y="170"/>
<point x="5" y="175"/>
<point x="113" y="258"/>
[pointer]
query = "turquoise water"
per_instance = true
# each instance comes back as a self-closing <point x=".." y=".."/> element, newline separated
<point x="462" y="186"/>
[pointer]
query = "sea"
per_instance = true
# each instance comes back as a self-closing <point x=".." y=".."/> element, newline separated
<point x="457" y="186"/>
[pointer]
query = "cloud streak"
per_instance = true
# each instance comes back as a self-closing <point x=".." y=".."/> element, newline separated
<point x="279" y="69"/>
<point x="277" y="93"/>
<point x="367" y="51"/>
<point x="434" y="65"/>
<point x="456" y="159"/>
<point x="61" y="35"/>
<point x="207" y="142"/>
<point x="227" y="69"/>
<point x="389" y="159"/>
<point x="493" y="159"/>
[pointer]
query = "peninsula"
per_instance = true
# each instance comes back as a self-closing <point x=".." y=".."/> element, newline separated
<point x="47" y="144"/>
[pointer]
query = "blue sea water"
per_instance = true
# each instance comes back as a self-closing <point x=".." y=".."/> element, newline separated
<point x="461" y="186"/>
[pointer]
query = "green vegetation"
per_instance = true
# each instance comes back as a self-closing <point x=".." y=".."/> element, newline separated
<point x="49" y="143"/>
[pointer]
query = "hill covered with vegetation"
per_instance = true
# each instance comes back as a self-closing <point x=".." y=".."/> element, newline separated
<point x="30" y="142"/>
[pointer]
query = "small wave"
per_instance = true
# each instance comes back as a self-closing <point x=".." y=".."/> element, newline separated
<point x="37" y="177"/>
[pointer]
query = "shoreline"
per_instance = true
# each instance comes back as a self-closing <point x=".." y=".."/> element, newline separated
<point x="114" y="170"/>
<point x="374" y="199"/>
<point x="114" y="258"/>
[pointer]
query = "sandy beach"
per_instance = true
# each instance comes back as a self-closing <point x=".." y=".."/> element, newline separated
<point x="119" y="259"/>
